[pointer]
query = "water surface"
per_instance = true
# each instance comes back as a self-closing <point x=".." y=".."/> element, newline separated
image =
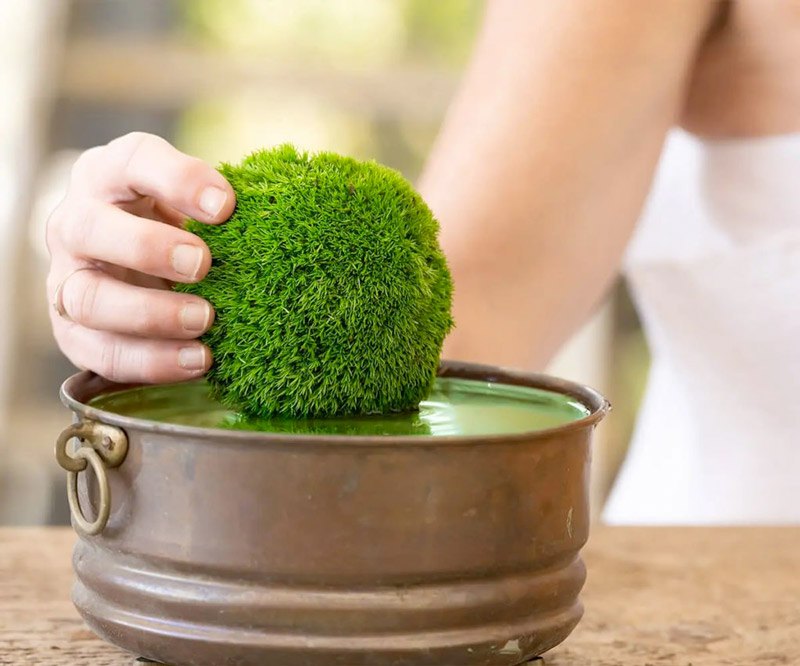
<point x="454" y="407"/>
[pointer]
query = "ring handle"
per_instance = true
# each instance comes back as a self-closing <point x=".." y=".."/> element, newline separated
<point x="94" y="527"/>
<point x="102" y="446"/>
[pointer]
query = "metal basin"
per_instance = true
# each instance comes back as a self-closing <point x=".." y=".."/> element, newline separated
<point x="248" y="548"/>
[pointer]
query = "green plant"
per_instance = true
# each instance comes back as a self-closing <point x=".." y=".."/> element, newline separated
<point x="331" y="293"/>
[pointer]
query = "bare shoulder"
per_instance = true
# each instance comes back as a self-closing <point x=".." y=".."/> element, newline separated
<point x="746" y="80"/>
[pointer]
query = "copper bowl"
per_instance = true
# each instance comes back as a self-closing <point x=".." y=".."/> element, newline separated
<point x="237" y="547"/>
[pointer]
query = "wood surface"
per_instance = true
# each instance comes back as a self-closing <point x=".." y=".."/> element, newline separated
<point x="655" y="597"/>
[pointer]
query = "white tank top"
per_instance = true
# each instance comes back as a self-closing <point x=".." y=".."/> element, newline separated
<point x="714" y="267"/>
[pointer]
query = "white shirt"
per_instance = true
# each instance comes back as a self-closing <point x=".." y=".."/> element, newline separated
<point x="714" y="267"/>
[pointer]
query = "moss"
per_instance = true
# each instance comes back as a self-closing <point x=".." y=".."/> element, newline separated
<point x="331" y="293"/>
<point x="375" y="425"/>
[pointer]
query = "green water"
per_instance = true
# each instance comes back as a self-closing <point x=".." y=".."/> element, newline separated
<point x="455" y="407"/>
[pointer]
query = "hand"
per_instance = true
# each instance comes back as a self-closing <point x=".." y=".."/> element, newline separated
<point x="117" y="246"/>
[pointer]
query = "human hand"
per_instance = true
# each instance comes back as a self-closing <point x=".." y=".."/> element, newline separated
<point x="117" y="246"/>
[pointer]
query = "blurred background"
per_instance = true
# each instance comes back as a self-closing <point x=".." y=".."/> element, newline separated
<point x="219" y="78"/>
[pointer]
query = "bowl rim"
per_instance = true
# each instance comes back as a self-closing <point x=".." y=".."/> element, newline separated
<point x="84" y="386"/>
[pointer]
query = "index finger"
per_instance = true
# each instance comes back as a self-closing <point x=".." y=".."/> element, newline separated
<point x="140" y="164"/>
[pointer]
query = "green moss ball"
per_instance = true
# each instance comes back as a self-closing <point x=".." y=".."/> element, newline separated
<point x="331" y="293"/>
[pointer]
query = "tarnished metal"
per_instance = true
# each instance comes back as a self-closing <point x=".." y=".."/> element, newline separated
<point x="256" y="548"/>
<point x="82" y="524"/>
<point x="107" y="447"/>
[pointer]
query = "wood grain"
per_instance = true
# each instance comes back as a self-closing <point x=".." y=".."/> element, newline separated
<point x="655" y="597"/>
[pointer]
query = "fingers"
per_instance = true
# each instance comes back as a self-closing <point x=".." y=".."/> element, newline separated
<point x="99" y="231"/>
<point x="96" y="300"/>
<point x="152" y="209"/>
<point x="140" y="164"/>
<point x="123" y="358"/>
<point x="119" y="198"/>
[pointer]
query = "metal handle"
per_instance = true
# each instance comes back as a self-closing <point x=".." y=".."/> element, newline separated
<point x="102" y="446"/>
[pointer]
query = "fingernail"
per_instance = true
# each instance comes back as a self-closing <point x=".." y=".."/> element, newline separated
<point x="195" y="317"/>
<point x="192" y="358"/>
<point x="212" y="199"/>
<point x="186" y="260"/>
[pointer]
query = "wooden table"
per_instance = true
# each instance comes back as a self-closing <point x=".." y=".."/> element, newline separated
<point x="655" y="597"/>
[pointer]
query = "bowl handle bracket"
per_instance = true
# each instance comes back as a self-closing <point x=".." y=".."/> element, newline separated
<point x="102" y="446"/>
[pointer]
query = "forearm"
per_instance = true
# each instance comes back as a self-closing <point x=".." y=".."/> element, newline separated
<point x="544" y="161"/>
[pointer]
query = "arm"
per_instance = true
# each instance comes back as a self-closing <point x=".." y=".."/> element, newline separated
<point x="544" y="161"/>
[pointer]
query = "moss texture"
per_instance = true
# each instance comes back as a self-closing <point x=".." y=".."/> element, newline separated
<point x="331" y="293"/>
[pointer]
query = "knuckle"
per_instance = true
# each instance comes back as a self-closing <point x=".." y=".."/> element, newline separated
<point x="128" y="147"/>
<point x="193" y="169"/>
<point x="125" y="149"/>
<point x="112" y="360"/>
<point x="142" y="250"/>
<point x="131" y="141"/>
<point x="75" y="225"/>
<point x="149" y="249"/>
<point x="81" y="299"/>
<point x="86" y="163"/>
<point x="149" y="318"/>
<point x="148" y="368"/>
